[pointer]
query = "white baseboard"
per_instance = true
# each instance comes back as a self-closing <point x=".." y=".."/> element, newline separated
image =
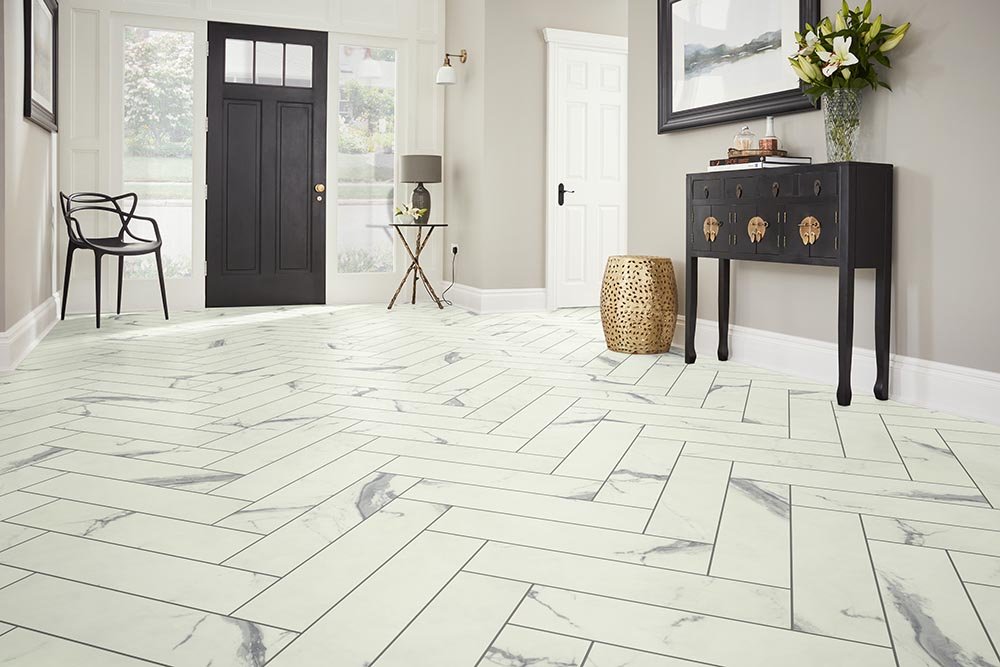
<point x="968" y="392"/>
<point x="486" y="301"/>
<point x="20" y="339"/>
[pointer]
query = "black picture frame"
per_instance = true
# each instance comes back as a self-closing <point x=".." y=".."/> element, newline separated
<point x="772" y="104"/>
<point x="34" y="110"/>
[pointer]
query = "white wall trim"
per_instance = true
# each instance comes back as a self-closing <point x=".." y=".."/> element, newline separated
<point x="586" y="40"/>
<point x="20" y="339"/>
<point x="968" y="392"/>
<point x="486" y="301"/>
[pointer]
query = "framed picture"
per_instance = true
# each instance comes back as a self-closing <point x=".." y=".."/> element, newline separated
<point x="726" y="60"/>
<point x="41" y="39"/>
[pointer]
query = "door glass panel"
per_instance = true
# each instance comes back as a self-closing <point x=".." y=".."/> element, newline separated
<point x="298" y="65"/>
<point x="239" y="61"/>
<point x="269" y="64"/>
<point x="158" y="128"/>
<point x="366" y="159"/>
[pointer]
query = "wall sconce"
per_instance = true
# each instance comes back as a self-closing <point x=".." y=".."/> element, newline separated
<point x="446" y="75"/>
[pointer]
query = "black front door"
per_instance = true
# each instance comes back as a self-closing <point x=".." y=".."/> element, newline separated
<point x="266" y="212"/>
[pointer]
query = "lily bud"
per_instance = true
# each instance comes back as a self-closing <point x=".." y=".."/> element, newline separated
<point x="841" y="25"/>
<point x="825" y="28"/>
<point x="874" y="30"/>
<point x="846" y="72"/>
<point x="867" y="10"/>
<point x="895" y="38"/>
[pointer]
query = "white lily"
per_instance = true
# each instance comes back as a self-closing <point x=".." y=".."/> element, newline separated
<point x="810" y="39"/>
<point x="841" y="56"/>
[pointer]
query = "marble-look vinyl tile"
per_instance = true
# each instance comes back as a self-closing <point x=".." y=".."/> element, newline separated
<point x="729" y="395"/>
<point x="245" y="438"/>
<point x="460" y="454"/>
<point x="649" y="585"/>
<point x="486" y="393"/>
<point x="372" y="402"/>
<point x="599" y="452"/>
<point x="23" y="478"/>
<point x="812" y="420"/>
<point x="693" y="383"/>
<point x="138" y="470"/>
<point x="313" y="588"/>
<point x="531" y="419"/>
<point x="26" y="647"/>
<point x="930" y="616"/>
<point x="45" y="436"/>
<point x="717" y="426"/>
<point x="660" y="407"/>
<point x="864" y="436"/>
<point x="928" y="457"/>
<point x="295" y="542"/>
<point x="173" y="503"/>
<point x="278" y="409"/>
<point x="135" y="430"/>
<point x="634" y="367"/>
<point x="9" y="575"/>
<point x="28" y="424"/>
<point x="466" y="382"/>
<point x="687" y="635"/>
<point x="935" y="535"/>
<point x="605" y="655"/>
<point x="565" y="432"/>
<point x="795" y="460"/>
<point x="530" y="504"/>
<point x="982" y="464"/>
<point x="439" y="436"/>
<point x="691" y="502"/>
<point x="30" y="456"/>
<point x="952" y="436"/>
<point x="986" y="600"/>
<point x="526" y="646"/>
<point x="143" y="415"/>
<point x="617" y="545"/>
<point x="767" y="406"/>
<point x="357" y="631"/>
<point x="768" y="443"/>
<point x="458" y="625"/>
<point x="157" y="631"/>
<point x="834" y="591"/>
<point x="977" y="568"/>
<point x="133" y="529"/>
<point x="471" y="424"/>
<point x="280" y="446"/>
<point x="182" y="455"/>
<point x="16" y="502"/>
<point x="966" y="425"/>
<point x="639" y="477"/>
<point x="168" y="578"/>
<point x="753" y="541"/>
<point x="660" y="376"/>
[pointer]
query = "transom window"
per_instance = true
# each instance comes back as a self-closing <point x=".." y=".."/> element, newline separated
<point x="268" y="63"/>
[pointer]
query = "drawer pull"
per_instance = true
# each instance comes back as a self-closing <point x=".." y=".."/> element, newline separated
<point x="817" y="187"/>
<point x="706" y="192"/>
<point x="711" y="228"/>
<point x="739" y="191"/>
<point x="775" y="188"/>
<point x="756" y="228"/>
<point x="809" y="230"/>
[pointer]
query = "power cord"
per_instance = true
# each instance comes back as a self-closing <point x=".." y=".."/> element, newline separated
<point x="454" y="256"/>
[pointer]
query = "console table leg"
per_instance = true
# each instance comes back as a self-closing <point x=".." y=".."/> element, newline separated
<point x="723" y="309"/>
<point x="845" y="334"/>
<point x="883" y="309"/>
<point x="690" y="309"/>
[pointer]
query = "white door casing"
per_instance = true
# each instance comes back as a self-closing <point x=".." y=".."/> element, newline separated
<point x="586" y="120"/>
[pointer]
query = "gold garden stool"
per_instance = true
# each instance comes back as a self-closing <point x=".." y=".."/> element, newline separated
<point x="639" y="304"/>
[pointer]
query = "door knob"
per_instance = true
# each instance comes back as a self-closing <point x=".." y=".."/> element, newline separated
<point x="562" y="193"/>
<point x="320" y="188"/>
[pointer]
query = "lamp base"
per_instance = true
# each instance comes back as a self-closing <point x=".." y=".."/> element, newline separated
<point x="421" y="198"/>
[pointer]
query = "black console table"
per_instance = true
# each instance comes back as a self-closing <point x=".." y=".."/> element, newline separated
<point x="837" y="214"/>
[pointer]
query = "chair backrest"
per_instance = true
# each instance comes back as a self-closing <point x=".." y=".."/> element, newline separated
<point x="80" y="202"/>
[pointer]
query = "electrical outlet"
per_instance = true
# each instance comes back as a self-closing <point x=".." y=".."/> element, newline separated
<point x="454" y="248"/>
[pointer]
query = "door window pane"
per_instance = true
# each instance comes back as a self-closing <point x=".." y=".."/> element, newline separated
<point x="239" y="61"/>
<point x="158" y="125"/>
<point x="270" y="61"/>
<point x="366" y="159"/>
<point x="298" y="65"/>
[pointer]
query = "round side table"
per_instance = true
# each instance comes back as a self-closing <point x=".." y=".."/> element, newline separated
<point x="639" y="304"/>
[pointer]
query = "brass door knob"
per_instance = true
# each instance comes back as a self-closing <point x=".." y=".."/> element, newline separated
<point x="320" y="188"/>
<point x="711" y="228"/>
<point x="809" y="230"/>
<point x="756" y="228"/>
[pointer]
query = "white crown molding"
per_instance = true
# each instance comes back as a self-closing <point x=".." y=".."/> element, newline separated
<point x="586" y="40"/>
<point x="20" y="339"/>
<point x="486" y="301"/>
<point x="968" y="392"/>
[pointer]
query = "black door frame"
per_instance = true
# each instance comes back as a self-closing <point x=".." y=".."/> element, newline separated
<point x="242" y="286"/>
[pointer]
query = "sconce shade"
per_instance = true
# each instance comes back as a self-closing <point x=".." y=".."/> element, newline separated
<point x="420" y="169"/>
<point x="446" y="76"/>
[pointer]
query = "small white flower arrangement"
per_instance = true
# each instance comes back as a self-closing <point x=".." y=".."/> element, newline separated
<point x="409" y="211"/>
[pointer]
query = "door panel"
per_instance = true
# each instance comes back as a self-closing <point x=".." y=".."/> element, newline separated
<point x="266" y="223"/>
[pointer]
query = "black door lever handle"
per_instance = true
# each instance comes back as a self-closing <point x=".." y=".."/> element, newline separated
<point x="562" y="193"/>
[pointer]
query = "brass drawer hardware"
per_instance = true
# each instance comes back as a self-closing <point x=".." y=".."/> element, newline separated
<point x="711" y="228"/>
<point x="809" y="230"/>
<point x="817" y="187"/>
<point x="756" y="228"/>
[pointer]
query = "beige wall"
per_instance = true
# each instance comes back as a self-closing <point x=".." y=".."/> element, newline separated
<point x="495" y="132"/>
<point x="939" y="127"/>
<point x="28" y="173"/>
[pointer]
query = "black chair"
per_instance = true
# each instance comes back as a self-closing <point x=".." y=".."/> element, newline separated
<point x="126" y="244"/>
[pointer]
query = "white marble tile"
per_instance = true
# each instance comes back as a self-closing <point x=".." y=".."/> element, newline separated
<point x="728" y="395"/>
<point x="535" y="416"/>
<point x="149" y="473"/>
<point x="11" y="534"/>
<point x="754" y="534"/>
<point x="928" y="457"/>
<point x="173" y="435"/>
<point x="769" y="443"/>
<point x="565" y="432"/>
<point x="982" y="465"/>
<point x="834" y="591"/>
<point x="461" y="454"/>
<point x="598" y="454"/>
<point x="691" y="503"/>
<point x="812" y="420"/>
<point x="157" y="631"/>
<point x="864" y="436"/>
<point x="525" y="646"/>
<point x="930" y="616"/>
<point x="26" y="647"/>
<point x="796" y="460"/>
<point x="604" y="655"/>
<point x="936" y="535"/>
<point x="459" y="624"/>
<point x="977" y="568"/>
<point x="280" y="446"/>
<point x="17" y="502"/>
<point x="25" y="477"/>
<point x="693" y="383"/>
<point x="986" y="599"/>
<point x="639" y="477"/>
<point x="767" y="406"/>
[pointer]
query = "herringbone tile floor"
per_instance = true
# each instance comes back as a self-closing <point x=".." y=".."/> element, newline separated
<point x="350" y="487"/>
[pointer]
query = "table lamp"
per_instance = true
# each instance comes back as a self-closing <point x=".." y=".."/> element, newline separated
<point x="420" y="169"/>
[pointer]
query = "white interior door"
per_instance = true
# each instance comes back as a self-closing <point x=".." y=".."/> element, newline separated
<point x="586" y="156"/>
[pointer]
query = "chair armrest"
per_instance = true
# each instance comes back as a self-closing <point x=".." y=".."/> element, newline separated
<point x="156" y="228"/>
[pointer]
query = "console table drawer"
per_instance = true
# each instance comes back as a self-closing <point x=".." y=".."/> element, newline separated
<point x="818" y="184"/>
<point x="706" y="189"/>
<point x="778" y="185"/>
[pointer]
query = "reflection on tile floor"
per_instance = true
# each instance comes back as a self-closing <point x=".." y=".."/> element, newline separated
<point x="354" y="487"/>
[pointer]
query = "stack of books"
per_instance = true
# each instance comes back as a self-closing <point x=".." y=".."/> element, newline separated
<point x="738" y="161"/>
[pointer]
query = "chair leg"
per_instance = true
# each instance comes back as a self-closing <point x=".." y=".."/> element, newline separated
<point x="163" y="287"/>
<point x="97" y="286"/>
<point x="121" y="274"/>
<point x="69" y="265"/>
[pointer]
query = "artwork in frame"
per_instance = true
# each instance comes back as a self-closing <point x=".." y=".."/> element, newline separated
<point x="41" y="39"/>
<point x="727" y="60"/>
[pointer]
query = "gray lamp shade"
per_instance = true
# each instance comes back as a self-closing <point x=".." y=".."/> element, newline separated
<point x="420" y="169"/>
